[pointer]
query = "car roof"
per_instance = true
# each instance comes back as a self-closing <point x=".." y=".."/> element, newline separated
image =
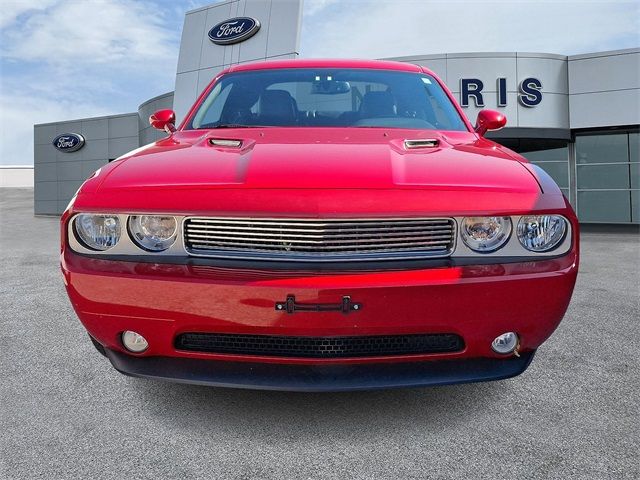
<point x="328" y="63"/>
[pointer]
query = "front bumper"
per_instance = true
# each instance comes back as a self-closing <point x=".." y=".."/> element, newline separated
<point x="319" y="378"/>
<point x="477" y="302"/>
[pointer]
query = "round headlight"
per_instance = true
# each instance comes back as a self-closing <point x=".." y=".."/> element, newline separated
<point x="97" y="231"/>
<point x="541" y="233"/>
<point x="485" y="234"/>
<point x="153" y="232"/>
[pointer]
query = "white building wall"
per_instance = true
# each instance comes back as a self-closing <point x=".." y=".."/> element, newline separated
<point x="605" y="89"/>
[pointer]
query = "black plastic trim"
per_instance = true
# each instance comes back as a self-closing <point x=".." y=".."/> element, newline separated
<point x="528" y="132"/>
<point x="320" y="378"/>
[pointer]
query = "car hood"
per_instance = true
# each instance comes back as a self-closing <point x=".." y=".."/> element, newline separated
<point x="306" y="158"/>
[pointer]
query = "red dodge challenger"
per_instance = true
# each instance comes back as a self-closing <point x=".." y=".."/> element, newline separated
<point x="321" y="225"/>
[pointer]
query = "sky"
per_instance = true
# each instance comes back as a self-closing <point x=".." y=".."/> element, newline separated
<point x="67" y="59"/>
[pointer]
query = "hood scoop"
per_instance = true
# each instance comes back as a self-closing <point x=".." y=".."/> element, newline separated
<point x="225" y="142"/>
<point x="412" y="144"/>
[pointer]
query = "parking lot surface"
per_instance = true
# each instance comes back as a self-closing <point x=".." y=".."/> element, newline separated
<point x="66" y="413"/>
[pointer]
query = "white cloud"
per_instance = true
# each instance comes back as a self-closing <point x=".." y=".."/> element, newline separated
<point x="70" y="33"/>
<point x="67" y="59"/>
<point x="313" y="7"/>
<point x="12" y="9"/>
<point x="374" y="29"/>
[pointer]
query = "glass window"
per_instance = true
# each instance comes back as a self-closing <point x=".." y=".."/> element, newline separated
<point x="549" y="155"/>
<point x="634" y="146"/>
<point x="634" y="156"/>
<point x="604" y="206"/>
<point x="213" y="113"/>
<point x="634" y="170"/>
<point x="602" y="148"/>
<point x="304" y="97"/>
<point x="603" y="176"/>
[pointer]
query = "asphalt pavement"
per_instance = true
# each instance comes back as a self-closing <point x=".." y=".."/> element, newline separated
<point x="66" y="413"/>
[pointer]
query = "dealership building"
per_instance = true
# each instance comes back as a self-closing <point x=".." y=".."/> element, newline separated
<point x="577" y="116"/>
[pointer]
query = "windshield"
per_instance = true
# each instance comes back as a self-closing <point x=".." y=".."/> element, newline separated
<point x="305" y="97"/>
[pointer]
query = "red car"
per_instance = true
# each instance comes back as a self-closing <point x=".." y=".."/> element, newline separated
<point x="321" y="225"/>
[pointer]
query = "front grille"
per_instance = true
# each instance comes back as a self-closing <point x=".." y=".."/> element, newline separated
<point x="319" y="347"/>
<point x="319" y="240"/>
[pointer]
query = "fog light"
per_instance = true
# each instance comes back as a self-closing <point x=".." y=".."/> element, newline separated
<point x="505" y="343"/>
<point x="134" y="342"/>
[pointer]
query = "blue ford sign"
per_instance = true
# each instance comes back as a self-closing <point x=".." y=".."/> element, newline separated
<point x="68" y="142"/>
<point x="234" y="30"/>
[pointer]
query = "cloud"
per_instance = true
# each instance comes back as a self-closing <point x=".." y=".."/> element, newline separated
<point x="374" y="29"/>
<point x="313" y="7"/>
<point x="71" y="33"/>
<point x="67" y="59"/>
<point x="12" y="9"/>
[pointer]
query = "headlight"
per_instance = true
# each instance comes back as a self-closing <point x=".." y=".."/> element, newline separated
<point x="485" y="234"/>
<point x="97" y="231"/>
<point x="153" y="232"/>
<point x="541" y="233"/>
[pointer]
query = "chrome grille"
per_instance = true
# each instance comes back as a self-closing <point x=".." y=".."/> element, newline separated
<point x="319" y="239"/>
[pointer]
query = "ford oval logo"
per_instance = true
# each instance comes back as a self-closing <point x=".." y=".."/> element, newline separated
<point x="68" y="142"/>
<point x="234" y="30"/>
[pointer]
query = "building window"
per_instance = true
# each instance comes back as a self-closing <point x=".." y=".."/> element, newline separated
<point x="607" y="177"/>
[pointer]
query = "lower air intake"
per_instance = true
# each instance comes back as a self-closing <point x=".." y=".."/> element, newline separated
<point x="319" y="347"/>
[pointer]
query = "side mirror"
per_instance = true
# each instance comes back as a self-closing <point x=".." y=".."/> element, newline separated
<point x="164" y="120"/>
<point x="489" y="120"/>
